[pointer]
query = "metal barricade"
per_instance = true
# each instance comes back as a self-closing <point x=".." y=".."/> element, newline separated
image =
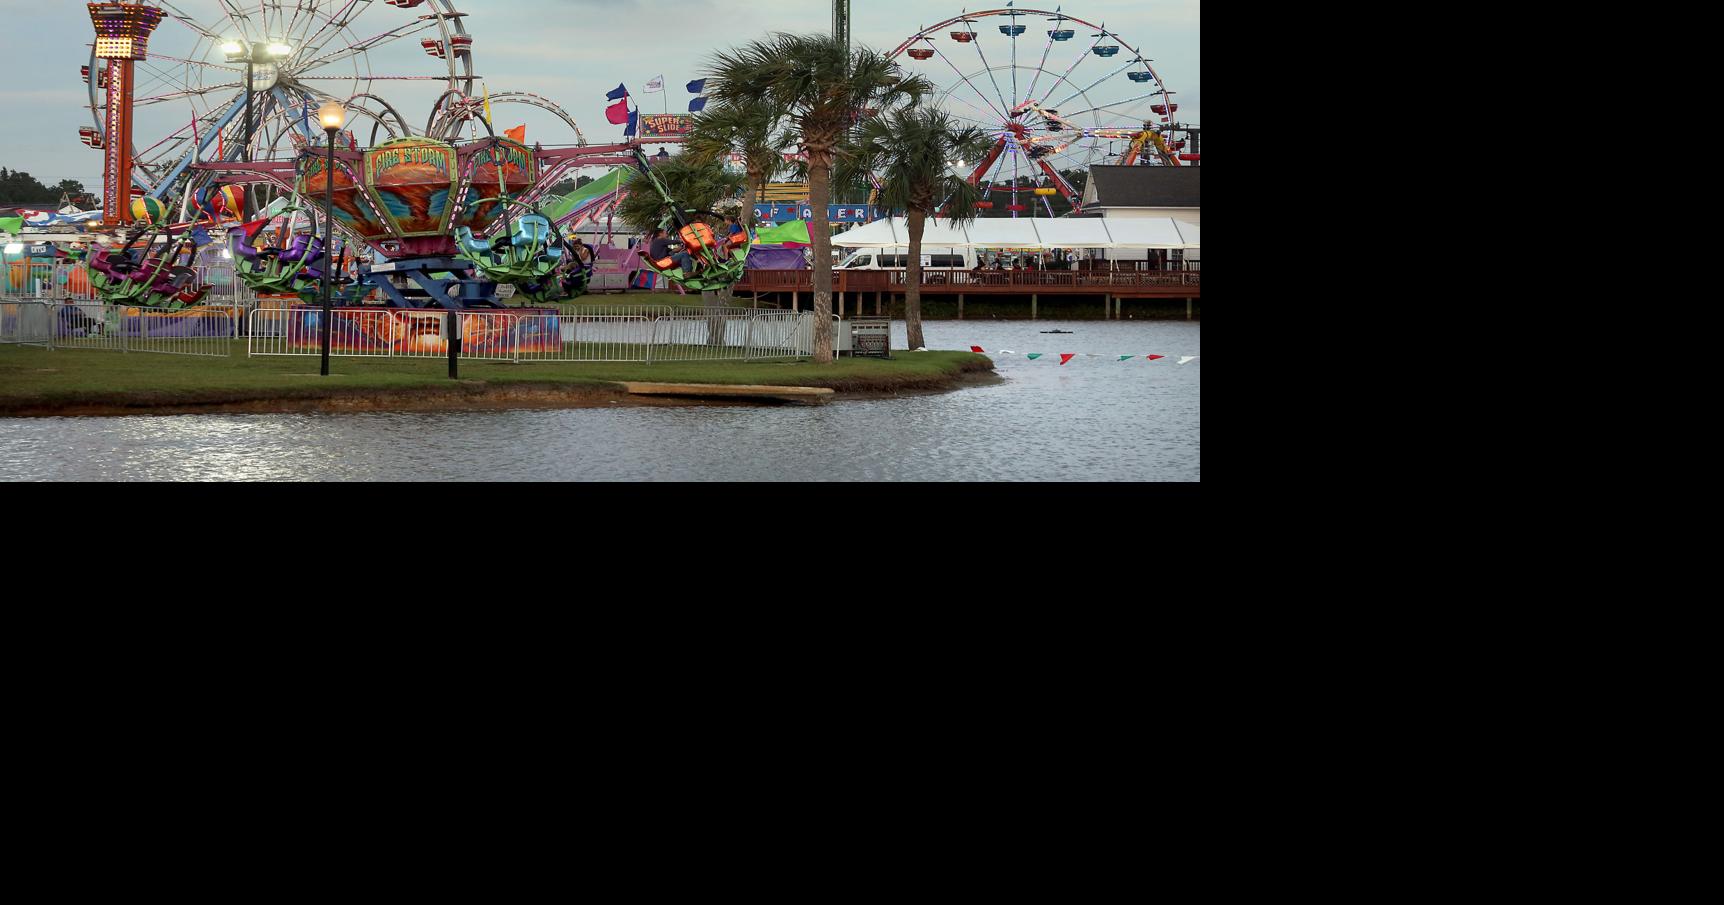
<point x="699" y="338"/>
<point x="501" y="336"/>
<point x="88" y="325"/>
<point x="209" y="330"/>
<point x="542" y="337"/>
<point x="25" y="322"/>
<point x="777" y="335"/>
<point x="578" y="309"/>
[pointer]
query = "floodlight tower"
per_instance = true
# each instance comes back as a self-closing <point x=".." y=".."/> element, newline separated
<point x="123" y="37"/>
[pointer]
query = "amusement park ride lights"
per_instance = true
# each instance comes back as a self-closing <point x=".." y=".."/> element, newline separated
<point x="122" y="37"/>
<point x="332" y="116"/>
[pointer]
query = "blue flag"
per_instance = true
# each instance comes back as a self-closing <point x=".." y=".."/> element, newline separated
<point x="697" y="105"/>
<point x="200" y="237"/>
<point x="618" y="94"/>
<point x="697" y="86"/>
<point x="634" y="120"/>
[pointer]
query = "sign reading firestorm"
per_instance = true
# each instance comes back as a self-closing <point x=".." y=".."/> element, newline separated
<point x="439" y="157"/>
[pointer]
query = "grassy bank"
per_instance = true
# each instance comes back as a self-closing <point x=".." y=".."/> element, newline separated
<point x="37" y="381"/>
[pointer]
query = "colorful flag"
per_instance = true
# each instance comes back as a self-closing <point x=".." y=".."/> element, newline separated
<point x="1033" y="356"/>
<point x="978" y="350"/>
<point x="519" y="133"/>
<point x="697" y="86"/>
<point x="1065" y="357"/>
<point x="697" y="105"/>
<point x="618" y="94"/>
<point x="618" y="113"/>
<point x="1155" y="357"/>
<point x="634" y="122"/>
<point x="487" y="105"/>
<point x="656" y="85"/>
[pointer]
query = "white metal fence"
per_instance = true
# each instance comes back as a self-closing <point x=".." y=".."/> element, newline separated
<point x="120" y="328"/>
<point x="24" y="321"/>
<point x="733" y="334"/>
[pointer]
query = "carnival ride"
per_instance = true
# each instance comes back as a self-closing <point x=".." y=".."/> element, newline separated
<point x="1044" y="118"/>
<point x="152" y="273"/>
<point x="530" y="255"/>
<point x="222" y="102"/>
<point x="720" y="261"/>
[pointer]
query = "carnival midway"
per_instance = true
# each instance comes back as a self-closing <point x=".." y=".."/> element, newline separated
<point x="329" y="186"/>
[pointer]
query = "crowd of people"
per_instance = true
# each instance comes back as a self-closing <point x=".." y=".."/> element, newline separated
<point x="1054" y="259"/>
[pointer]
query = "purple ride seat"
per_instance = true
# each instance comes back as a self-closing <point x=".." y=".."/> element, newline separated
<point x="303" y="246"/>
<point x="242" y="246"/>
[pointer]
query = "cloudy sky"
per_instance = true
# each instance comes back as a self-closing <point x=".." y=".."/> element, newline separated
<point x="573" y="51"/>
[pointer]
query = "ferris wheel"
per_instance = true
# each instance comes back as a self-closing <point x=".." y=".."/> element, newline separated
<point x="1055" y="91"/>
<point x="189" y="96"/>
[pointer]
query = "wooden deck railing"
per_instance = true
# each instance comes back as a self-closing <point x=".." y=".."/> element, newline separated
<point x="982" y="281"/>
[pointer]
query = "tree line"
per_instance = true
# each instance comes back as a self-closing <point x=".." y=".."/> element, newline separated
<point x="17" y="186"/>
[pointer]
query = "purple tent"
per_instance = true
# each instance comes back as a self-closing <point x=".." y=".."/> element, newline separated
<point x="776" y="257"/>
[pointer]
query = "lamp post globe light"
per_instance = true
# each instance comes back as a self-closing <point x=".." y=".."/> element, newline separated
<point x="332" y="115"/>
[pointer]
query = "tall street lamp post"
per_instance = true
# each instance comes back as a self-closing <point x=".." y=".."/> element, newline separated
<point x="248" y="52"/>
<point x="332" y="115"/>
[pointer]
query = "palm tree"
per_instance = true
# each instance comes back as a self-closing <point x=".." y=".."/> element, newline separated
<point x="912" y="154"/>
<point x="822" y="88"/>
<point x="750" y="128"/>
<point x="696" y="186"/>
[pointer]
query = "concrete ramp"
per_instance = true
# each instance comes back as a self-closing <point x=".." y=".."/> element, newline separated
<point x="805" y="395"/>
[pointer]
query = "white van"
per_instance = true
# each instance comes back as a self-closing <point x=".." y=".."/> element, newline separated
<point x="899" y="259"/>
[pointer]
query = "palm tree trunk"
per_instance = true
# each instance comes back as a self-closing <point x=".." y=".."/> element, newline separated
<point x="749" y="193"/>
<point x="821" y="235"/>
<point x="820" y="232"/>
<point x="913" y="281"/>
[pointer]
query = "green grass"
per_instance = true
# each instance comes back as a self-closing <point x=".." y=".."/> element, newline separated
<point x="31" y="378"/>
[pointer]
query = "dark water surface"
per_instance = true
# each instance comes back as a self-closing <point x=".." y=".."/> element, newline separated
<point x="1094" y="419"/>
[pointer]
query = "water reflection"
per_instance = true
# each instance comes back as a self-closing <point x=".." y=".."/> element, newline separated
<point x="1092" y="420"/>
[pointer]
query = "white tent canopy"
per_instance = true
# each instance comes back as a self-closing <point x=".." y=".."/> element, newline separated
<point x="1028" y="232"/>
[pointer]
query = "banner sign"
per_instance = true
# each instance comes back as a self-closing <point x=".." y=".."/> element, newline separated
<point x="835" y="213"/>
<point x="665" y="125"/>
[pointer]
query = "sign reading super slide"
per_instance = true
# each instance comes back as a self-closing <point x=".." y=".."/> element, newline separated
<point x="665" y="125"/>
<point x="835" y="213"/>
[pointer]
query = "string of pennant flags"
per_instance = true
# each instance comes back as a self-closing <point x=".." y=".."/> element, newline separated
<point x="1066" y="357"/>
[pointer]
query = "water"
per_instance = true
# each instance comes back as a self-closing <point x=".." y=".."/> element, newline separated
<point x="1095" y="419"/>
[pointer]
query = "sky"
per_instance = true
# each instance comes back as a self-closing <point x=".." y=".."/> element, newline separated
<point x="573" y="52"/>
